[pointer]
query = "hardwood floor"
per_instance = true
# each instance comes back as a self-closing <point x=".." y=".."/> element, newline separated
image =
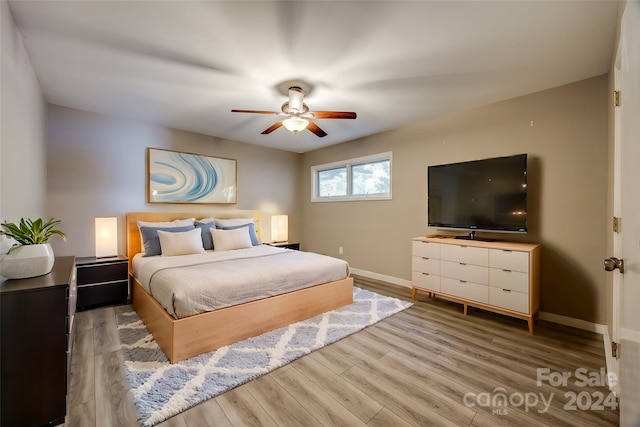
<point x="428" y="365"/>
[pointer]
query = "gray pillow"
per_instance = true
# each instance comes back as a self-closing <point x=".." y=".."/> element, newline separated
<point x="207" y="240"/>
<point x="151" y="241"/>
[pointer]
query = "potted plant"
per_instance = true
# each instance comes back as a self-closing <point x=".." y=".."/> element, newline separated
<point x="32" y="255"/>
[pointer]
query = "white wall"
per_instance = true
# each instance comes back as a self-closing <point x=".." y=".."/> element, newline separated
<point x="97" y="167"/>
<point x="23" y="122"/>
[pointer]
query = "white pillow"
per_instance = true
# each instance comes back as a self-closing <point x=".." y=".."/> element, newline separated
<point x="181" y="243"/>
<point x="174" y="223"/>
<point x="226" y="240"/>
<point x="206" y="220"/>
<point x="233" y="222"/>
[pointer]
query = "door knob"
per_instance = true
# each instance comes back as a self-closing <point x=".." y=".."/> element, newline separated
<point x="612" y="263"/>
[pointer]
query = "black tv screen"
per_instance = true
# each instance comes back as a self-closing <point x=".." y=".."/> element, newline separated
<point x="489" y="194"/>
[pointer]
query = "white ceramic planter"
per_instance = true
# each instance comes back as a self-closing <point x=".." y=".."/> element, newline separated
<point x="27" y="261"/>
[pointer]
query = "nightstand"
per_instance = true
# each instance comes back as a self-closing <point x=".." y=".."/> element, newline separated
<point x="102" y="281"/>
<point x="286" y="245"/>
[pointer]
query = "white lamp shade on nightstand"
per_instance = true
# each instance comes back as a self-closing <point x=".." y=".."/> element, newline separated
<point x="280" y="228"/>
<point x="106" y="237"/>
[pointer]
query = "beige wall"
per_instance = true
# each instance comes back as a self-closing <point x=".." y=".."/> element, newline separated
<point x="97" y="167"/>
<point x="567" y="147"/>
<point x="23" y="123"/>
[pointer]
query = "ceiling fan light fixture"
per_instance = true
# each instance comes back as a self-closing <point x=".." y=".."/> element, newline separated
<point x="295" y="124"/>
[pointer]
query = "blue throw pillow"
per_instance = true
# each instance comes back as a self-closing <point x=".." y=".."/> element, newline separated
<point x="151" y="241"/>
<point x="252" y="232"/>
<point x="207" y="239"/>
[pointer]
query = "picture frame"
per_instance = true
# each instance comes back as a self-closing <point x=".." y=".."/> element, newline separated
<point x="179" y="177"/>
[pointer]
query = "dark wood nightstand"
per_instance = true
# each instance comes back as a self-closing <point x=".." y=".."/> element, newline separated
<point x="286" y="245"/>
<point x="102" y="281"/>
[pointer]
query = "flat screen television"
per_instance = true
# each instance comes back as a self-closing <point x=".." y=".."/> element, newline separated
<point x="485" y="195"/>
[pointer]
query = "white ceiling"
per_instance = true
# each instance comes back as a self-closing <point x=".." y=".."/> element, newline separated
<point x="187" y="64"/>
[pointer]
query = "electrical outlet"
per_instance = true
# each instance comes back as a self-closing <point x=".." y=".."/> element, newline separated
<point x="340" y="250"/>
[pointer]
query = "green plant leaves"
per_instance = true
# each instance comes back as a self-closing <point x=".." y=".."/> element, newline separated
<point x="32" y="232"/>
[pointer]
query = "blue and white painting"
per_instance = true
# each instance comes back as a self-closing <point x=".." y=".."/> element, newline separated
<point x="175" y="177"/>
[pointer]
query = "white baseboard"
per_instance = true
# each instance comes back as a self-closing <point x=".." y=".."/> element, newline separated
<point x="550" y="317"/>
<point x="383" y="277"/>
<point x="574" y="323"/>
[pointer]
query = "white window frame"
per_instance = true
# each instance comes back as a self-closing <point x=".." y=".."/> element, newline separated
<point x="348" y="164"/>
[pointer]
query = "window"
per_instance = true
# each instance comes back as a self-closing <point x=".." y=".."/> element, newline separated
<point x="364" y="178"/>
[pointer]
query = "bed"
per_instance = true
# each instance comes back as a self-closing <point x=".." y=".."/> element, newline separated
<point x="185" y="337"/>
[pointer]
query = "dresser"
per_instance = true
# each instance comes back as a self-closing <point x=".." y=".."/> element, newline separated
<point x="498" y="276"/>
<point x="37" y="317"/>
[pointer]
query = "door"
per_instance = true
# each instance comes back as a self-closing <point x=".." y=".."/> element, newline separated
<point x="627" y="202"/>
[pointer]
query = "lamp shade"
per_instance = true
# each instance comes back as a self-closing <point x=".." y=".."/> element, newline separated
<point x="280" y="228"/>
<point x="106" y="237"/>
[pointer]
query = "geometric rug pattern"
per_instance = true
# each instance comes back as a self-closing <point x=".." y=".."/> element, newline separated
<point x="162" y="390"/>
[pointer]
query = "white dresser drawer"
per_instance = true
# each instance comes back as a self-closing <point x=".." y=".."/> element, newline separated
<point x="468" y="272"/>
<point x="426" y="281"/>
<point x="426" y="265"/>
<point x="467" y="290"/>
<point x="509" y="260"/>
<point x="509" y="279"/>
<point x="511" y="300"/>
<point x="425" y="249"/>
<point x="465" y="254"/>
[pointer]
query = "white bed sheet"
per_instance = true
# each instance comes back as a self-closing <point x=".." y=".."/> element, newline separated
<point x="191" y="284"/>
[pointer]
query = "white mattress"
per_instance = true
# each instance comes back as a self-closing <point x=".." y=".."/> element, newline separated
<point x="191" y="284"/>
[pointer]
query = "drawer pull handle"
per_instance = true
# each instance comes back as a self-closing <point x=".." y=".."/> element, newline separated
<point x="507" y="250"/>
<point x="463" y="281"/>
<point x="426" y="274"/>
<point x="506" y="271"/>
<point x="506" y="290"/>
<point x="463" y="263"/>
<point x="424" y="257"/>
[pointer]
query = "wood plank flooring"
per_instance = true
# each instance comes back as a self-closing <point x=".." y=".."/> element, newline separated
<point x="428" y="365"/>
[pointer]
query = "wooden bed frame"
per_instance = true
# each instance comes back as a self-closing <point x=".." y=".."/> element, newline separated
<point x="184" y="338"/>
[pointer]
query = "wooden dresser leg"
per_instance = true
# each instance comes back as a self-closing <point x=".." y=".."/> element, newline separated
<point x="414" y="292"/>
<point x="530" y="321"/>
<point x="465" y="309"/>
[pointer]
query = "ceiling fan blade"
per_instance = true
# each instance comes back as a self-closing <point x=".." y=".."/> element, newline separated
<point x="271" y="128"/>
<point x="331" y="115"/>
<point x="255" y="112"/>
<point x="316" y="129"/>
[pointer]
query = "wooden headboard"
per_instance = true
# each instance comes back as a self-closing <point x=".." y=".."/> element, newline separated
<point x="134" y="245"/>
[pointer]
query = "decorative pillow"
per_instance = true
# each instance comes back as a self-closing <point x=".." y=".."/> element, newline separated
<point x="174" y="223"/>
<point x="151" y="241"/>
<point x="181" y="243"/>
<point x="206" y="220"/>
<point x="207" y="240"/>
<point x="231" y="222"/>
<point x="226" y="240"/>
<point x="252" y="231"/>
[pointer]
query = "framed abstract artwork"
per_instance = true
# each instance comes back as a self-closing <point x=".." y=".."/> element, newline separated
<point x="174" y="177"/>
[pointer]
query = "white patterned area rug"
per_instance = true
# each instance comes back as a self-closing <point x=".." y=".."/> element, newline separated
<point x="162" y="390"/>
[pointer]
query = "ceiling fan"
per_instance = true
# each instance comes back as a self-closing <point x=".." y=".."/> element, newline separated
<point x="298" y="115"/>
